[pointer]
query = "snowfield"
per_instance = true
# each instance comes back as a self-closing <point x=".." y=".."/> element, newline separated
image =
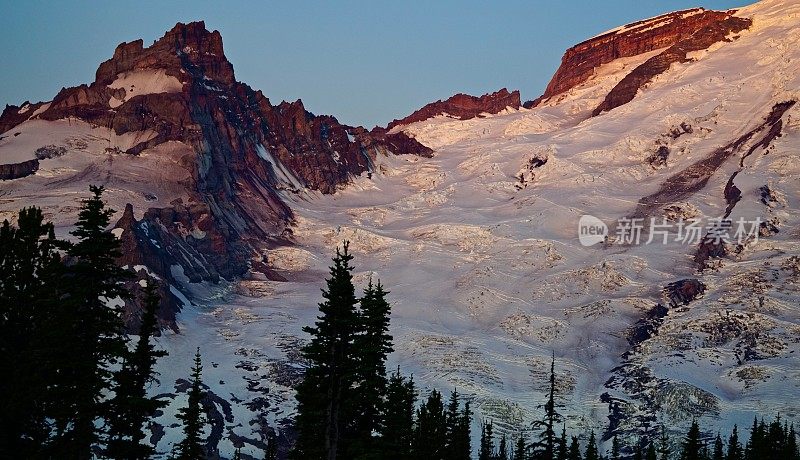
<point x="479" y="249"/>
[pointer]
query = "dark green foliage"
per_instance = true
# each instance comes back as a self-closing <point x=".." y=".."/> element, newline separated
<point x="520" y="448"/>
<point x="430" y="433"/>
<point x="735" y="451"/>
<point x="638" y="452"/>
<point x="29" y="332"/>
<point x="546" y="445"/>
<point x="502" y="449"/>
<point x="193" y="417"/>
<point x="457" y="428"/>
<point x="790" y="450"/>
<point x="372" y="344"/>
<point x="664" y="449"/>
<point x="692" y="444"/>
<point x="651" y="452"/>
<point x="92" y="282"/>
<point x="325" y="398"/>
<point x="591" y="449"/>
<point x="398" y="425"/>
<point x="615" y="447"/>
<point x="486" y="451"/>
<point x="574" y="449"/>
<point x="719" y="449"/>
<point x="130" y="407"/>
<point x="561" y="451"/>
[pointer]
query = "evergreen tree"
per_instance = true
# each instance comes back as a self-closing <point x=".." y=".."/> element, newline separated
<point x="398" y="424"/>
<point x="775" y="439"/>
<point x="373" y="344"/>
<point x="457" y="427"/>
<point x="92" y="282"/>
<point x="487" y="442"/>
<point x="131" y="408"/>
<point x="574" y="449"/>
<point x="325" y="397"/>
<point x="664" y="449"/>
<point x="561" y="453"/>
<point x="547" y="436"/>
<point x="237" y="454"/>
<point x="430" y="434"/>
<point x="502" y="449"/>
<point x="463" y="447"/>
<point x="192" y="416"/>
<point x="719" y="449"/>
<point x="520" y="449"/>
<point x="615" y="448"/>
<point x="755" y="449"/>
<point x="692" y="444"/>
<point x="735" y="451"/>
<point x="591" y="449"/>
<point x="791" y="451"/>
<point x="29" y="268"/>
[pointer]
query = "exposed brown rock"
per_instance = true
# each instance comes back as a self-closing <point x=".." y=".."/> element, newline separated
<point x="11" y="116"/>
<point x="579" y="62"/>
<point x="713" y="31"/>
<point x="683" y="292"/>
<point x="464" y="106"/>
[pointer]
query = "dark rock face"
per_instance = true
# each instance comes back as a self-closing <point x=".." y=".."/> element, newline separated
<point x="683" y="292"/>
<point x="580" y="61"/>
<point x="17" y="170"/>
<point x="11" y="115"/>
<point x="464" y="107"/>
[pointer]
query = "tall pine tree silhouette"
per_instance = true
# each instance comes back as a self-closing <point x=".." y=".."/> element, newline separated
<point x="131" y="408"/>
<point x="591" y="448"/>
<point x="372" y="344"/>
<point x="457" y="429"/>
<point x="692" y="443"/>
<point x="398" y="419"/>
<point x="430" y="433"/>
<point x="324" y="397"/>
<point x="547" y="435"/>
<point x="193" y="418"/>
<point x="93" y="281"/>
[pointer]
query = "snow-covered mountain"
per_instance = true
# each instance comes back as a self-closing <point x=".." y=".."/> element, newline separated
<point x="471" y="220"/>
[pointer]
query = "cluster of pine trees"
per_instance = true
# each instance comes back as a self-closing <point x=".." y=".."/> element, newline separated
<point x="773" y="441"/>
<point x="71" y="386"/>
<point x="348" y="407"/>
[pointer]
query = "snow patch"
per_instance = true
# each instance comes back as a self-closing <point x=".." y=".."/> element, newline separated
<point x="141" y="82"/>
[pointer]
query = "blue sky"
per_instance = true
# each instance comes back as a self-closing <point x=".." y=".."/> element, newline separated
<point x="364" y="62"/>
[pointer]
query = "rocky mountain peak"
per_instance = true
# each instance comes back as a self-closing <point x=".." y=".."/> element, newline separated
<point x="190" y="48"/>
